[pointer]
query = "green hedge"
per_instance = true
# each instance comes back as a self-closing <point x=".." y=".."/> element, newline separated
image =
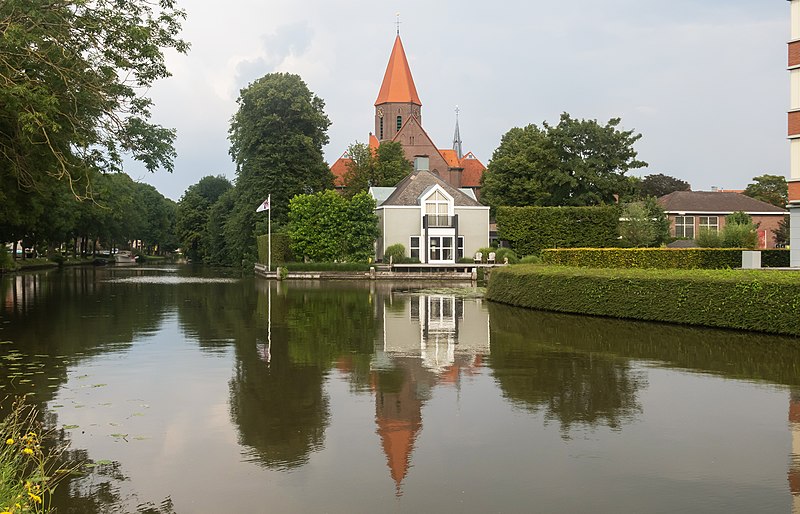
<point x="659" y="258"/>
<point x="530" y="230"/>
<point x="281" y="251"/>
<point x="764" y="301"/>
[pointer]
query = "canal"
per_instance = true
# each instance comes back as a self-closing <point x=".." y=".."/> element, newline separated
<point x="191" y="390"/>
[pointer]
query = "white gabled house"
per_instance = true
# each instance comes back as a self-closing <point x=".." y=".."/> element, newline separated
<point x="435" y="222"/>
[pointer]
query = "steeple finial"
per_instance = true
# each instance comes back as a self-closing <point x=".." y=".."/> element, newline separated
<point x="457" y="138"/>
<point x="398" y="23"/>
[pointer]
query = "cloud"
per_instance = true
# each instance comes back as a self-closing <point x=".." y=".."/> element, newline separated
<point x="288" y="41"/>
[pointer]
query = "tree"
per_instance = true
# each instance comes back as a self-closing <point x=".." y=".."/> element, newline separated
<point x="574" y="163"/>
<point x="782" y="232"/>
<point x="326" y="227"/>
<point x="659" y="185"/>
<point x="193" y="213"/>
<point x="636" y="227"/>
<point x="739" y="231"/>
<point x="384" y="167"/>
<point x="71" y="77"/>
<point x="276" y="136"/>
<point x="769" y="188"/>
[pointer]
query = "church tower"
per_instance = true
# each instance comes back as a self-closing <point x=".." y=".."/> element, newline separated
<point x="398" y="99"/>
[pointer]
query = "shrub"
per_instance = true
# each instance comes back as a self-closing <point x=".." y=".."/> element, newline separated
<point x="738" y="235"/>
<point x="659" y="258"/>
<point x="529" y="230"/>
<point x="739" y="299"/>
<point x="6" y="262"/>
<point x="707" y="238"/>
<point x="395" y="252"/>
<point x="281" y="250"/>
<point x="531" y="259"/>
<point x="775" y="258"/>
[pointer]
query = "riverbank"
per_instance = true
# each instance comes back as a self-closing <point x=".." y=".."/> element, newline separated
<point x="757" y="300"/>
<point x="34" y="264"/>
<point x="442" y="272"/>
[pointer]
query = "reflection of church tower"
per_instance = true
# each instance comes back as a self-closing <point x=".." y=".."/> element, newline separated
<point x="794" y="470"/>
<point x="398" y="99"/>
<point x="398" y="414"/>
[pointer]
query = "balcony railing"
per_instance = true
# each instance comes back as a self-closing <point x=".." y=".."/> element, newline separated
<point x="439" y="221"/>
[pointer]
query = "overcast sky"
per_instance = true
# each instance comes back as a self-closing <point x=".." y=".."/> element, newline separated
<point x="703" y="81"/>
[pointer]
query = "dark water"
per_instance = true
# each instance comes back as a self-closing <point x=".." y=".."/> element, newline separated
<point x="190" y="391"/>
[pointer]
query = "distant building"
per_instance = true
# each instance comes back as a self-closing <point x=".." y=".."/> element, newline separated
<point x="689" y="212"/>
<point x="794" y="133"/>
<point x="398" y="117"/>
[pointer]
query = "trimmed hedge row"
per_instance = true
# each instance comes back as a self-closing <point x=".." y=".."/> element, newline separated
<point x="659" y="258"/>
<point x="763" y="301"/>
<point x="529" y="230"/>
<point x="281" y="252"/>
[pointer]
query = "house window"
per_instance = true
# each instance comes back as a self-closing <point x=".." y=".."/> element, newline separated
<point x="684" y="226"/>
<point x="440" y="248"/>
<point x="414" y="247"/>
<point x="460" y="250"/>
<point x="399" y="122"/>
<point x="709" y="223"/>
<point x="421" y="163"/>
<point x="437" y="209"/>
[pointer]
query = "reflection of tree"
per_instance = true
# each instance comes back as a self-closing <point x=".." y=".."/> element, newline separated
<point x="575" y="388"/>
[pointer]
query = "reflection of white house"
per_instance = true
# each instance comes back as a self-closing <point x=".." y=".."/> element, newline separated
<point x="436" y="329"/>
<point x="435" y="222"/>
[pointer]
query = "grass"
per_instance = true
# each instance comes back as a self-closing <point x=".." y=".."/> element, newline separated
<point x="27" y="474"/>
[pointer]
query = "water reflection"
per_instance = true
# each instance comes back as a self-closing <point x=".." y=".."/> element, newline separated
<point x="247" y="373"/>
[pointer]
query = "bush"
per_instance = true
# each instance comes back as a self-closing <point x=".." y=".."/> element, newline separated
<point x="737" y="235"/>
<point x="281" y="250"/>
<point x="709" y="239"/>
<point x="395" y="252"/>
<point x="531" y="259"/>
<point x="531" y="229"/>
<point x="746" y="300"/>
<point x="775" y="258"/>
<point x="6" y="262"/>
<point x="658" y="258"/>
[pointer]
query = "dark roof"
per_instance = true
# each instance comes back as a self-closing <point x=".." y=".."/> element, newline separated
<point x="411" y="188"/>
<point x="712" y="201"/>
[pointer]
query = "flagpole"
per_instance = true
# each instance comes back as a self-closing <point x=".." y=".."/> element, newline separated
<point x="269" y="235"/>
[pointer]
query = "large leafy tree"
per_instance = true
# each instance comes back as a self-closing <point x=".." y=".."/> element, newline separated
<point x="276" y="138"/>
<point x="73" y="78"/>
<point x="575" y="163"/>
<point x="193" y="212"/>
<point x="386" y="166"/>
<point x="769" y="188"/>
<point x="659" y="185"/>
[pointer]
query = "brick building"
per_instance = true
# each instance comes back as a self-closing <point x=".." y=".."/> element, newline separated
<point x="398" y="117"/>
<point x="794" y="132"/>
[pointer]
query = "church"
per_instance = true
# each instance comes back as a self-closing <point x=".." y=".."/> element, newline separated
<point x="398" y="117"/>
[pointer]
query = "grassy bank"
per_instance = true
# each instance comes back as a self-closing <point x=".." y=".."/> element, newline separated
<point x="764" y="301"/>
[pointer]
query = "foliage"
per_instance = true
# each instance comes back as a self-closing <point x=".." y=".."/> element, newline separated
<point x="745" y="300"/>
<point x="499" y="255"/>
<point x="658" y="258"/>
<point x="193" y="213"/>
<point x="531" y="229"/>
<point x="574" y="163"/>
<point x="72" y="75"/>
<point x="658" y="185"/>
<point x="775" y="258"/>
<point x="217" y="251"/>
<point x="635" y="226"/>
<point x="782" y="232"/>
<point x="394" y="253"/>
<point x="531" y="259"/>
<point x="27" y="473"/>
<point x="708" y="238"/>
<point x="385" y="167"/>
<point x="281" y="248"/>
<point x="327" y="227"/>
<point x="739" y="231"/>
<point x="6" y="262"/>
<point x="772" y="189"/>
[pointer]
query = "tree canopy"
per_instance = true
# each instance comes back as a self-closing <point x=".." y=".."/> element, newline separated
<point x="276" y="136"/>
<point x="769" y="188"/>
<point x="573" y="163"/>
<point x="193" y="214"/>
<point x="384" y="167"/>
<point x="73" y="80"/>
<point x="659" y="185"/>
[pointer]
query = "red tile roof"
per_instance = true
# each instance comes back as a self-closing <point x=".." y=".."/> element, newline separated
<point x="450" y="157"/>
<point x="473" y="171"/>
<point x="398" y="84"/>
<point x="339" y="169"/>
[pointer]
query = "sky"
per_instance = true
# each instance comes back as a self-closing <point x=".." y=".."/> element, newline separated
<point x="703" y="81"/>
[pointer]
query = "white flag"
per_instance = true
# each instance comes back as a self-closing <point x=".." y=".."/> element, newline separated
<point x="264" y="206"/>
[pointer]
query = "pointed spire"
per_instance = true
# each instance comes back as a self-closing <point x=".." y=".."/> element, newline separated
<point x="398" y="84"/>
<point x="457" y="138"/>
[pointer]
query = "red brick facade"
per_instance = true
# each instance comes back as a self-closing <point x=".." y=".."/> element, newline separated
<point x="794" y="123"/>
<point x="794" y="54"/>
<point x="794" y="191"/>
<point x="766" y="226"/>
